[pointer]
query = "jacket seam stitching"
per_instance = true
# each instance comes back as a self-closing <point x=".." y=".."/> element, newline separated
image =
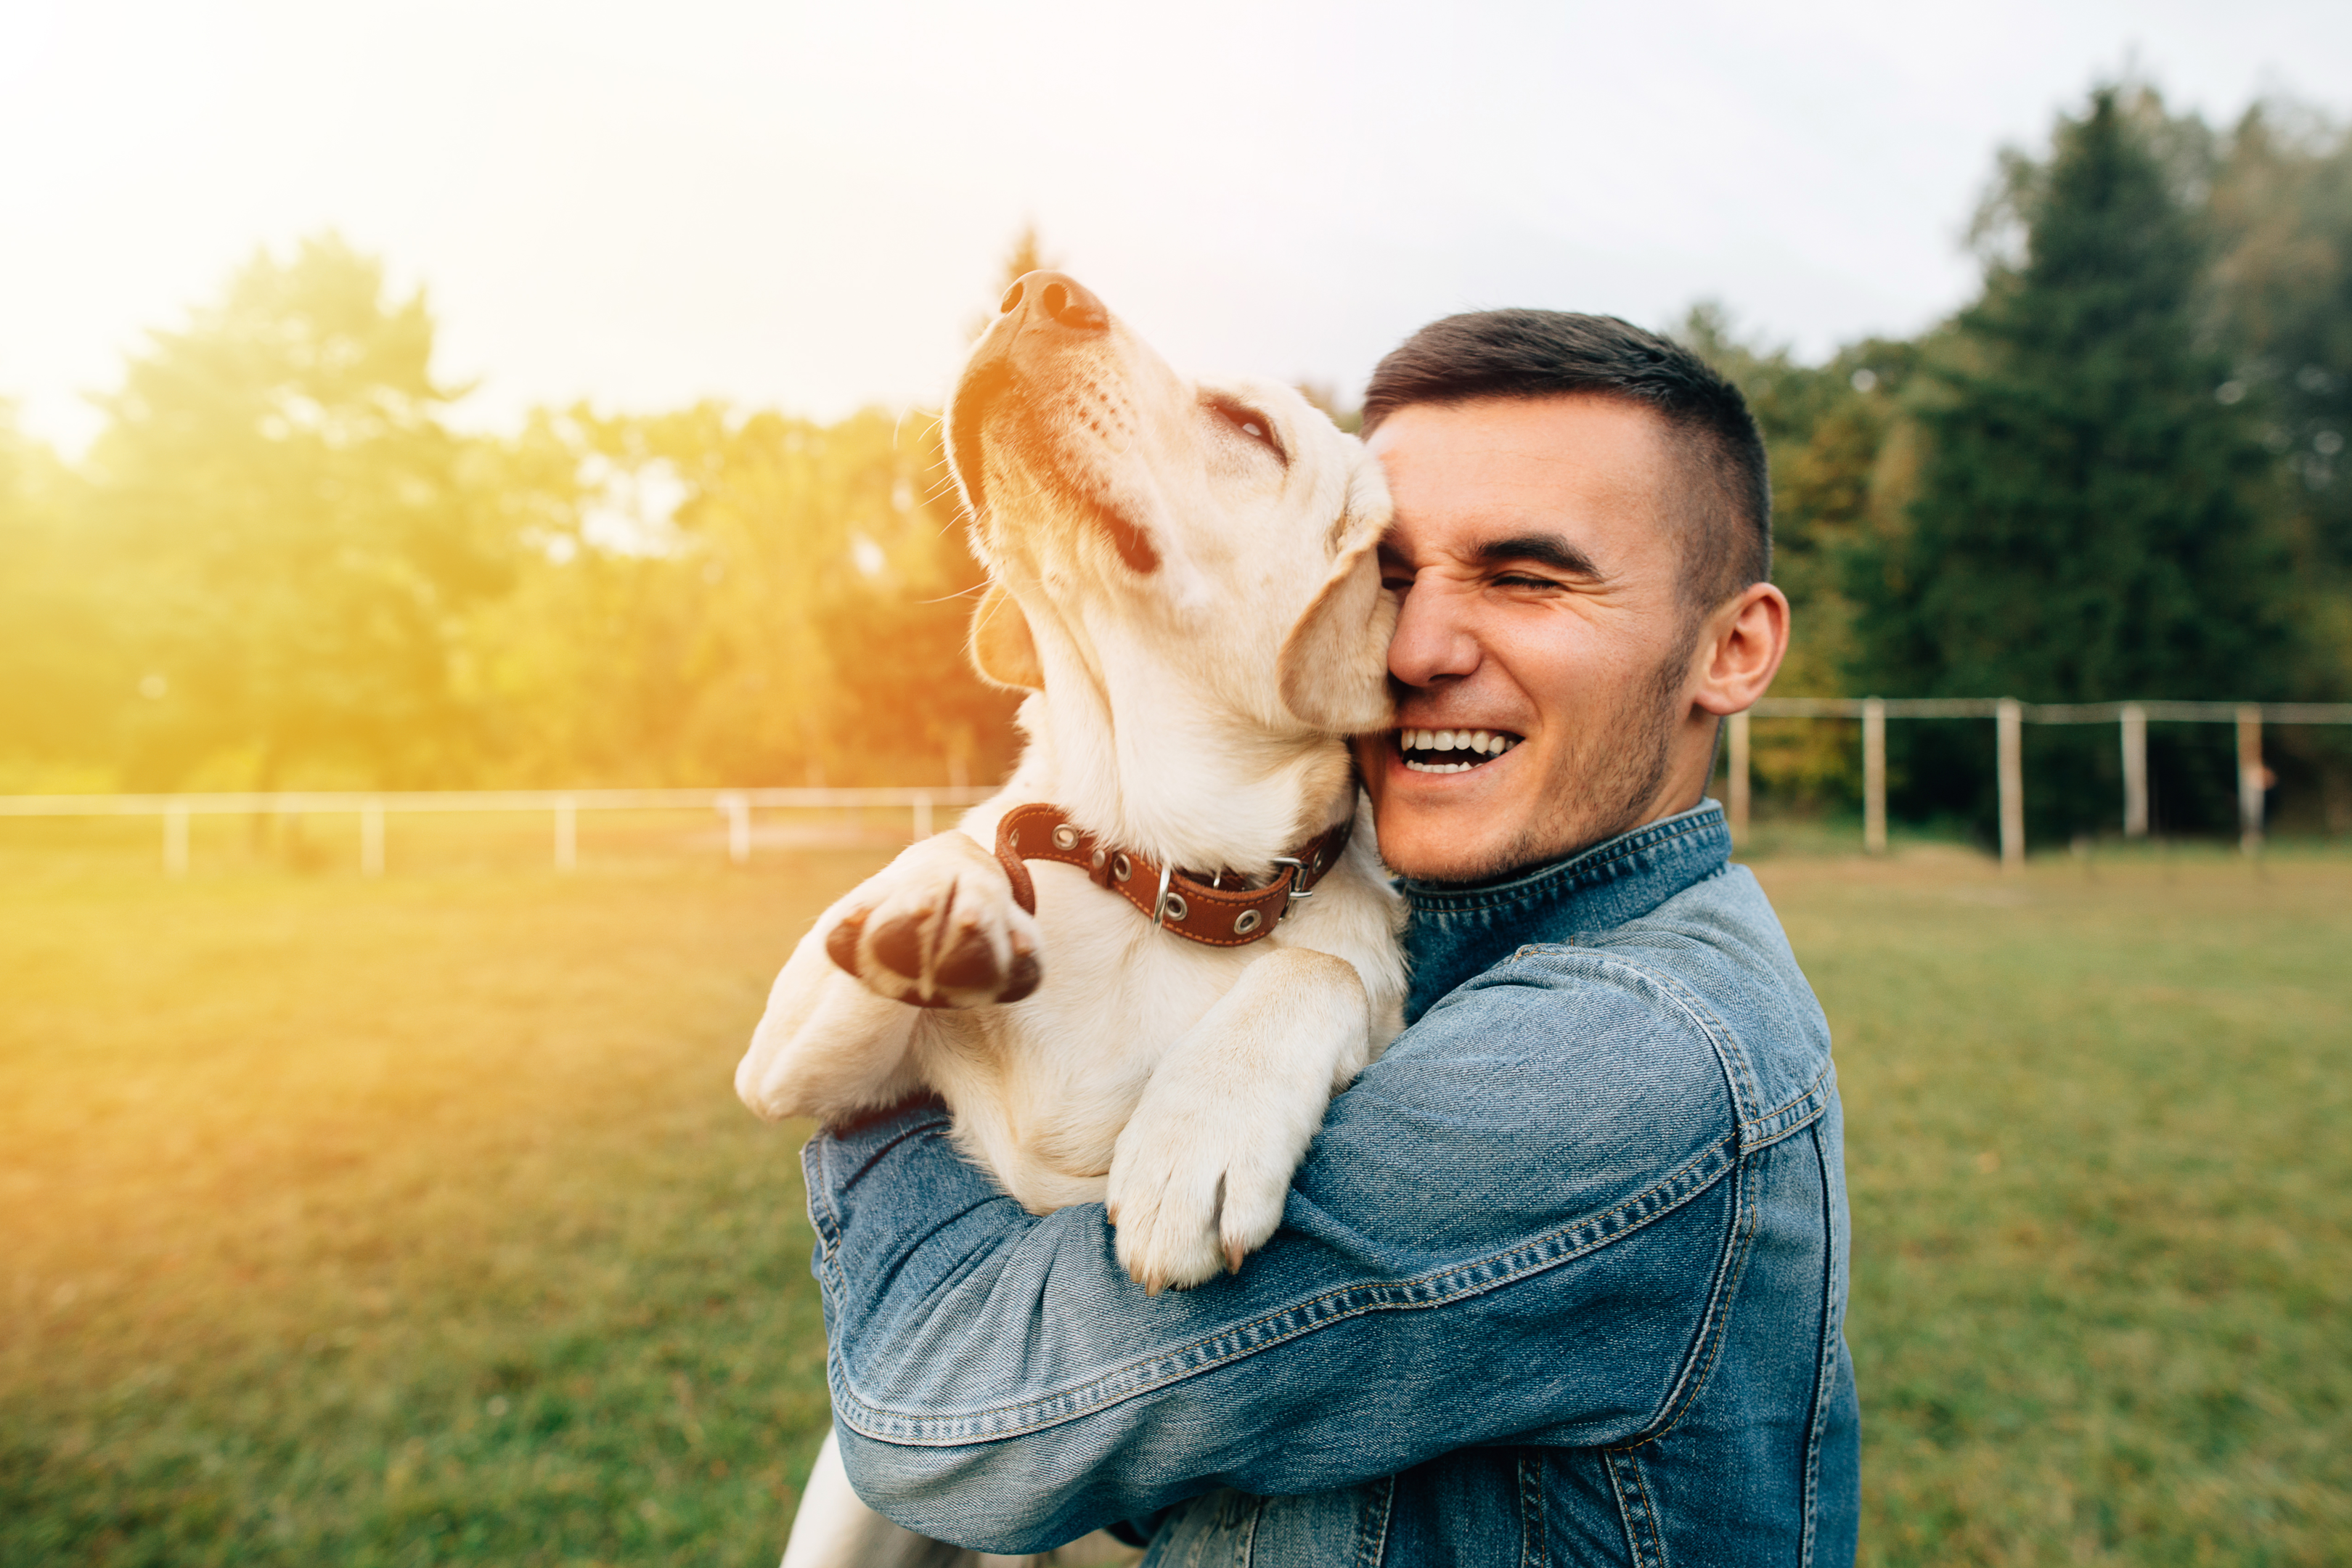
<point x="1813" y="1112"/>
<point x="827" y="1223"/>
<point x="1714" y="1328"/>
<point x="1372" y="1548"/>
<point x="1717" y="1035"/>
<point x="1822" y="1362"/>
<point x="1792" y="1101"/>
<point x="1790" y="1131"/>
<point x="1535" y="1542"/>
<point x="1674" y="1193"/>
<point x="1639" y="1523"/>
<point x="1650" y="1509"/>
<point x="1745" y="1092"/>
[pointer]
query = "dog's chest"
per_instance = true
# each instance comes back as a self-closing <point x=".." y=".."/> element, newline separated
<point x="1042" y="1089"/>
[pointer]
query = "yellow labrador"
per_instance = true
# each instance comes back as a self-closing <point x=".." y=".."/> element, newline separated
<point x="1138" y="975"/>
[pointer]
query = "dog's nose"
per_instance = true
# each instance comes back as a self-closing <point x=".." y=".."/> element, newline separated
<point x="1061" y="297"/>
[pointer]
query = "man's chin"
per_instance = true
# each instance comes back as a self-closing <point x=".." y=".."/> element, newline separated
<point x="1462" y="841"/>
<point x="1433" y="847"/>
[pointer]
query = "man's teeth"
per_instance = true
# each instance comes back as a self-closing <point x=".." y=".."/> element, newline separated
<point x="1485" y="742"/>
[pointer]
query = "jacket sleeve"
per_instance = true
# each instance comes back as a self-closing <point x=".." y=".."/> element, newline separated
<point x="1517" y="1225"/>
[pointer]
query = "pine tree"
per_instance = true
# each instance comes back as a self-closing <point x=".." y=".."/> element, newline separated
<point x="2085" y="528"/>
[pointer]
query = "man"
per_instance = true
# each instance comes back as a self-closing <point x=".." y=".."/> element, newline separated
<point x="1563" y="1277"/>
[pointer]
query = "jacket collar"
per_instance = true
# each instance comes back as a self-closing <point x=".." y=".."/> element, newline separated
<point x="1461" y="929"/>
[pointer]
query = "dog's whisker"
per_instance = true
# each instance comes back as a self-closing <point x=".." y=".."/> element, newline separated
<point x="899" y="424"/>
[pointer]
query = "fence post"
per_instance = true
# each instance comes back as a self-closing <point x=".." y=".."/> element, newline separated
<point x="2009" y="717"/>
<point x="922" y="814"/>
<point x="175" y="839"/>
<point x="2135" y="771"/>
<point x="372" y="839"/>
<point x="1874" y="775"/>
<point x="567" y="834"/>
<point x="2252" y="778"/>
<point x="738" y="827"/>
<point x="1738" y="789"/>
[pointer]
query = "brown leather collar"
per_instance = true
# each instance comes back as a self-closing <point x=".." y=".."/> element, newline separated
<point x="1177" y="901"/>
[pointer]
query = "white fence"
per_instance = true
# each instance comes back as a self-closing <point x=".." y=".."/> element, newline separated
<point x="562" y="808"/>
<point x="2009" y="716"/>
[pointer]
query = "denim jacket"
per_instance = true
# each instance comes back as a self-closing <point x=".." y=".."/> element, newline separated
<point x="1560" y="1280"/>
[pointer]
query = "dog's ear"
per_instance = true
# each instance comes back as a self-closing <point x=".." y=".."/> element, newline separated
<point x="1001" y="646"/>
<point x="1335" y="662"/>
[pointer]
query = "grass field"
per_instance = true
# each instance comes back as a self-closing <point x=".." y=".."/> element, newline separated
<point x="414" y="1221"/>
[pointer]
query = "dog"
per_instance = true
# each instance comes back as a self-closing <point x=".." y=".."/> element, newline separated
<point x="1138" y="973"/>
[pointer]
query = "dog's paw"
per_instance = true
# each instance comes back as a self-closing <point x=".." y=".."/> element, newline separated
<point x="938" y="928"/>
<point x="1194" y="1188"/>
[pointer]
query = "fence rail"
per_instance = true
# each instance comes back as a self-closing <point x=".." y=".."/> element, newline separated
<point x="563" y="806"/>
<point x="2008" y="715"/>
<point x="2051" y="713"/>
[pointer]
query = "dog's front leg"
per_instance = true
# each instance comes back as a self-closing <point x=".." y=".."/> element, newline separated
<point x="938" y="927"/>
<point x="835" y="1529"/>
<point x="826" y="1046"/>
<point x="1200" y="1173"/>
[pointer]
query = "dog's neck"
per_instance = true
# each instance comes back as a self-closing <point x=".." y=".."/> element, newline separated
<point x="1129" y="749"/>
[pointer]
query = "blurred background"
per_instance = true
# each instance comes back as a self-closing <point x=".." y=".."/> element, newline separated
<point x="525" y="396"/>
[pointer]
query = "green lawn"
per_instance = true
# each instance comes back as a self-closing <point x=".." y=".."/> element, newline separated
<point x="415" y="1220"/>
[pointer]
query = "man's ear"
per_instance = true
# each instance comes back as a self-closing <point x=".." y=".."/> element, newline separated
<point x="1001" y="646"/>
<point x="1334" y="667"/>
<point x="1744" y="644"/>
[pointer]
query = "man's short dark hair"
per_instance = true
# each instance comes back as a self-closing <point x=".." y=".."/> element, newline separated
<point x="1544" y="353"/>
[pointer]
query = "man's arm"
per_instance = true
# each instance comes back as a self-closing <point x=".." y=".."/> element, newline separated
<point x="1516" y="1224"/>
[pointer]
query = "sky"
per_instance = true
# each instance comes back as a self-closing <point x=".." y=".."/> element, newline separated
<point x="807" y="206"/>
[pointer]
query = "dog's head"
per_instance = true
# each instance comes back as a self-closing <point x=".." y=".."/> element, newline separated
<point x="1223" y="531"/>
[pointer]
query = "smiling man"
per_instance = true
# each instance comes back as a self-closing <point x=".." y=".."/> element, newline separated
<point x="1563" y="557"/>
<point x="1563" y="1277"/>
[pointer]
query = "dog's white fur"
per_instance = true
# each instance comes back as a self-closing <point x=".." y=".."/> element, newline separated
<point x="1197" y="610"/>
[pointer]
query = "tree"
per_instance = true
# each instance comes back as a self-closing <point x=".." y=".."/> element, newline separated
<point x="64" y="679"/>
<point x="2281" y="205"/>
<point x="297" y="542"/>
<point x="1827" y="432"/>
<point x="723" y="598"/>
<point x="2085" y="526"/>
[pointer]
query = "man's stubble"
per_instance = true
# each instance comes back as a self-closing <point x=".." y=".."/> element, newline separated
<point x="1615" y="773"/>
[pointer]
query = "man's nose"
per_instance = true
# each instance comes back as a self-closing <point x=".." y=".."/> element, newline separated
<point x="1434" y="641"/>
<point x="1058" y="298"/>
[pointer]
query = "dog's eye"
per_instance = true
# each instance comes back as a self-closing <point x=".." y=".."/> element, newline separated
<point x="1252" y="424"/>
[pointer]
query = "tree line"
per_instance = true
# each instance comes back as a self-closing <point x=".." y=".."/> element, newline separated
<point x="279" y="566"/>
<point x="2117" y="472"/>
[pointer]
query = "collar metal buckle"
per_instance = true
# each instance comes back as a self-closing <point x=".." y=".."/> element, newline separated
<point x="1297" y="875"/>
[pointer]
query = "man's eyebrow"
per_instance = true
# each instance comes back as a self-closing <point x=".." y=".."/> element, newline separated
<point x="1539" y="548"/>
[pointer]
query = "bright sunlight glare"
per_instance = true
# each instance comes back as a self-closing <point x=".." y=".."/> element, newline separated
<point x="802" y="205"/>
